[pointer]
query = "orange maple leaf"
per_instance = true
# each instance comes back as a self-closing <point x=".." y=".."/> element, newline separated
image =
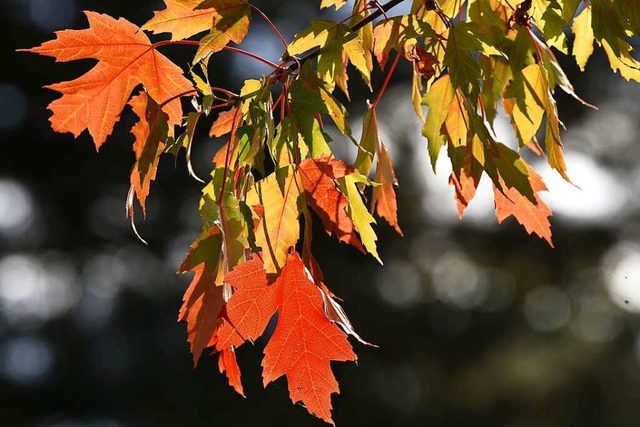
<point x="227" y="20"/>
<point x="150" y="135"/>
<point x="383" y="199"/>
<point x="304" y="342"/>
<point x="203" y="300"/>
<point x="466" y="180"/>
<point x="534" y="217"/>
<point x="226" y="122"/>
<point x="230" y="23"/>
<point x="126" y="58"/>
<point x="181" y="19"/>
<point x="319" y="177"/>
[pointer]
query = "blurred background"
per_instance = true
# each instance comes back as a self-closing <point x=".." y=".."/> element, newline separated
<point x="478" y="324"/>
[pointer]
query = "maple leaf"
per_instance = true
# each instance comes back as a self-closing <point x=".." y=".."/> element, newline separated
<point x="583" y="43"/>
<point x="319" y="178"/>
<point x="456" y="124"/>
<point x="369" y="141"/>
<point x="337" y="3"/>
<point x="358" y="212"/>
<point x="226" y="20"/>
<point x="383" y="199"/>
<point x="249" y="309"/>
<point x="465" y="179"/>
<point x="400" y="33"/>
<point x="385" y="37"/>
<point x="464" y="69"/>
<point x="529" y="94"/>
<point x="150" y="134"/>
<point x="231" y="21"/>
<point x="438" y="99"/>
<point x="126" y="58"/>
<point x="533" y="216"/>
<point x="226" y="122"/>
<point x="181" y="19"/>
<point x="334" y="41"/>
<point x="423" y="61"/>
<point x="361" y="10"/>
<point x="227" y="364"/>
<point x="279" y="228"/>
<point x="304" y="342"/>
<point x="203" y="300"/>
<point x="384" y="196"/>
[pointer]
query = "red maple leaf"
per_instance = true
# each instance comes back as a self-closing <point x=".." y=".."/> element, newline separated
<point x="305" y="339"/>
<point x="227" y="364"/>
<point x="319" y="178"/>
<point x="304" y="342"/>
<point x="250" y="307"/>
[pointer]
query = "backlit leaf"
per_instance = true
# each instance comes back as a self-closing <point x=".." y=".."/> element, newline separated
<point x="304" y="342"/>
<point x="181" y="19"/>
<point x="227" y="364"/>
<point x="466" y="180"/>
<point x="319" y="177"/>
<point x="358" y="212"/>
<point x="203" y="300"/>
<point x="225" y="122"/>
<point x="231" y="19"/>
<point x="529" y="92"/>
<point x="534" y="216"/>
<point x="464" y="69"/>
<point x="438" y="99"/>
<point x="583" y="43"/>
<point x="279" y="229"/>
<point x="383" y="200"/>
<point x="334" y="40"/>
<point x="250" y="307"/>
<point x="126" y="58"/>
<point x="150" y="135"/>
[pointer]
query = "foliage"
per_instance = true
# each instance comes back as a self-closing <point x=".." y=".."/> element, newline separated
<point x="276" y="173"/>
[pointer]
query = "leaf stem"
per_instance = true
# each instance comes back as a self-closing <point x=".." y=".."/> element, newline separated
<point x="386" y="80"/>
<point x="224" y="91"/>
<point x="252" y="55"/>
<point x="534" y="42"/>
<point x="180" y="95"/>
<point x="227" y="48"/>
<point x="270" y="23"/>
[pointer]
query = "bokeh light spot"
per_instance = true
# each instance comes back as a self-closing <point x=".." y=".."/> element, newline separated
<point x="16" y="208"/>
<point x="399" y="283"/>
<point x="27" y="360"/>
<point x="547" y="308"/>
<point x="622" y="271"/>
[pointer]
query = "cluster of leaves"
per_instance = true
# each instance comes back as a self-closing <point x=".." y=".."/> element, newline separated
<point x="276" y="171"/>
